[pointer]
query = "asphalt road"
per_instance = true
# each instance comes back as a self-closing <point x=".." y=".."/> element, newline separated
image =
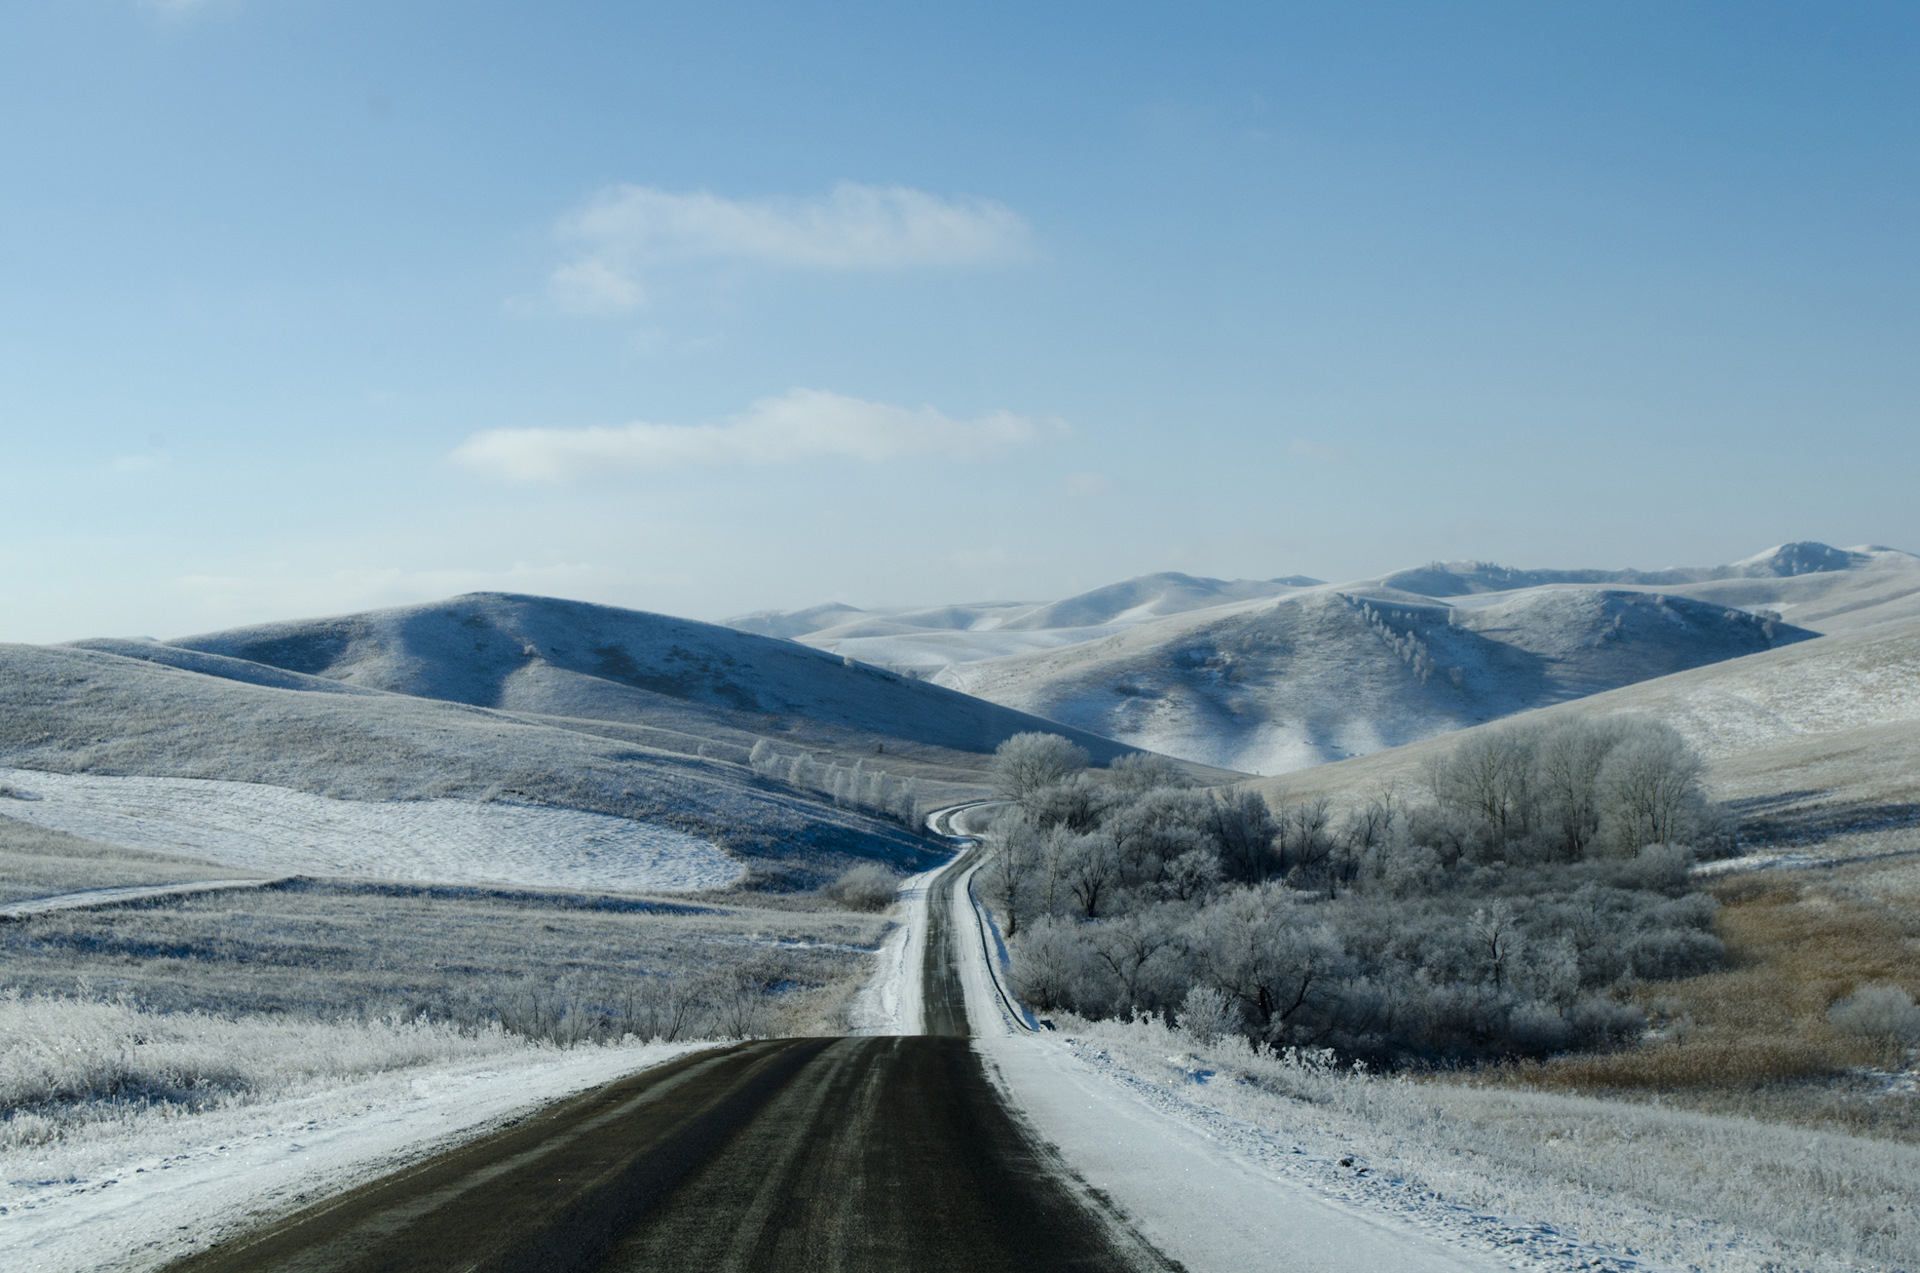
<point x="785" y="1154"/>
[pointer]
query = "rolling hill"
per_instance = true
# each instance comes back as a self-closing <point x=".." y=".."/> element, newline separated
<point x="493" y="699"/>
<point x="1281" y="674"/>
<point x="1816" y="738"/>
<point x="587" y="663"/>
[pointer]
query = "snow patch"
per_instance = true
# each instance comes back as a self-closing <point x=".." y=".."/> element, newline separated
<point x="272" y="829"/>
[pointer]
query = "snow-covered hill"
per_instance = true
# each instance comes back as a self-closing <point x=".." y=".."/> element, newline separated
<point x="1280" y="674"/>
<point x="1811" y="585"/>
<point x="924" y="641"/>
<point x="1328" y="674"/>
<point x="1818" y="735"/>
<point x="573" y="660"/>
<point x="117" y="720"/>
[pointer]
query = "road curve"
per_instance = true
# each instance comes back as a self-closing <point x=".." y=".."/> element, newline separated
<point x="841" y="1154"/>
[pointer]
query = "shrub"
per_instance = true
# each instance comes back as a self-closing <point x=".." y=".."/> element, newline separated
<point x="866" y="887"/>
<point x="1878" y="1012"/>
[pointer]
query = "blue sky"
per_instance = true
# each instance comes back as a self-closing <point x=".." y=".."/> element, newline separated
<point x="313" y="306"/>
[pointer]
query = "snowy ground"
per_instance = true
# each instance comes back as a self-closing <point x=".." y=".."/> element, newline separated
<point x="170" y="1186"/>
<point x="262" y="828"/>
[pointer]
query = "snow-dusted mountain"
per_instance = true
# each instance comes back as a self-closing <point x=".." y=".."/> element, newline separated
<point x="1276" y="675"/>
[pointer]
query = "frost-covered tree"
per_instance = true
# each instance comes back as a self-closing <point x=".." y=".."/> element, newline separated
<point x="1027" y="762"/>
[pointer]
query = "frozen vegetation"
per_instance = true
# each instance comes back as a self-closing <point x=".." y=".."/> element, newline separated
<point x="1495" y="915"/>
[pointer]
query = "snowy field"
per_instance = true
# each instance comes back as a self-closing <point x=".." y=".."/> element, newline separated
<point x="272" y="829"/>
<point x="136" y="1190"/>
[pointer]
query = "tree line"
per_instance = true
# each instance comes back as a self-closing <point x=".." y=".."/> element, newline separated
<point x="852" y="786"/>
<point x="1497" y="911"/>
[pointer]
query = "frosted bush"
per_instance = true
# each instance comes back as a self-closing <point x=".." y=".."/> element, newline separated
<point x="866" y="887"/>
<point x="1878" y="1012"/>
<point x="1206" y="1016"/>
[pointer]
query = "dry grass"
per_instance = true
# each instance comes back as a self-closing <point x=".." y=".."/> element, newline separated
<point x="1754" y="1037"/>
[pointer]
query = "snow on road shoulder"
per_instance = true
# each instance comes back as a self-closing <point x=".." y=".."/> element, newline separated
<point x="890" y="1001"/>
<point x="138" y="1200"/>
<point x="1189" y="1189"/>
<point x="276" y="830"/>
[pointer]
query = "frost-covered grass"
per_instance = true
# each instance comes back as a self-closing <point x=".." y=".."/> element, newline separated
<point x="129" y="1186"/>
<point x="1637" y="1180"/>
<point x="552" y="965"/>
<point x="36" y="862"/>
<point x="73" y="1065"/>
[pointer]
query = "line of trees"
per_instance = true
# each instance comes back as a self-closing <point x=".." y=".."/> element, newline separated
<point x="1497" y="912"/>
<point x="852" y="786"/>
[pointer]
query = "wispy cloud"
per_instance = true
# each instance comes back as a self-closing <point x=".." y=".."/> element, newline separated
<point x="799" y="425"/>
<point x="620" y="233"/>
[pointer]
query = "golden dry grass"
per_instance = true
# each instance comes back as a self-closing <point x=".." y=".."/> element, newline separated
<point x="1754" y="1037"/>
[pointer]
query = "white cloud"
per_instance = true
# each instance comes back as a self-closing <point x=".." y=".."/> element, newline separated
<point x="623" y="231"/>
<point x="799" y="425"/>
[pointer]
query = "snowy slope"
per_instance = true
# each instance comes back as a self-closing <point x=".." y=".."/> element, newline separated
<point x="1325" y="674"/>
<point x="572" y="659"/>
<point x="1810" y="585"/>
<point x="1272" y="675"/>
<point x="925" y="640"/>
<point x="262" y="828"/>
<point x="1833" y="721"/>
<point x="86" y="712"/>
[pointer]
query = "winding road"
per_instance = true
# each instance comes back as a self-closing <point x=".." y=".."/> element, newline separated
<point x="843" y="1154"/>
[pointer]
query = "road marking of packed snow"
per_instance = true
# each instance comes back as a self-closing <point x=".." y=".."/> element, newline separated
<point x="256" y="827"/>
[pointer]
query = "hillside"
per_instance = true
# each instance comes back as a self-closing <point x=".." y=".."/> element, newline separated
<point x="101" y="717"/>
<point x="1273" y="675"/>
<point x="1819" y="732"/>
<point x="923" y="641"/>
<point x="1810" y="585"/>
<point x="582" y="662"/>
<point x="1326" y="674"/>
